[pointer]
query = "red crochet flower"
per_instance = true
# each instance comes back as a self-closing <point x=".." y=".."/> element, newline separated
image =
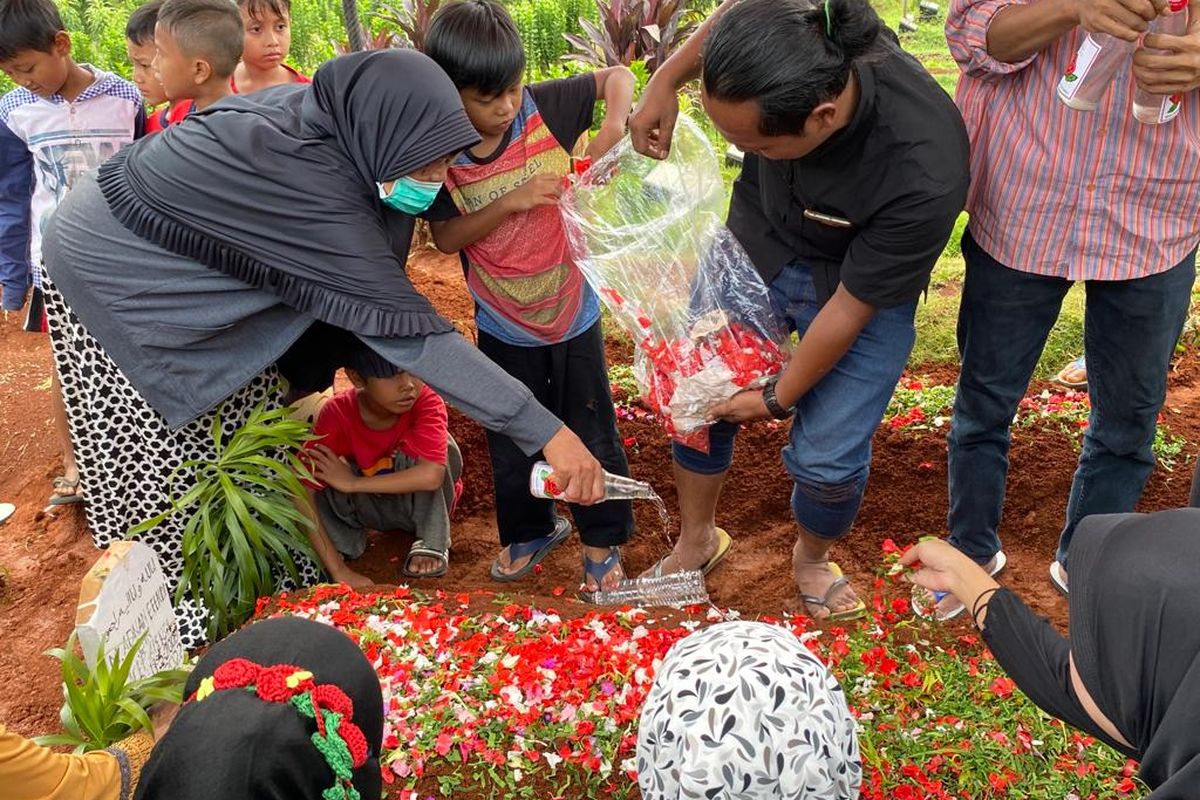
<point x="235" y="673"/>
<point x="333" y="698"/>
<point x="355" y="741"/>
<point x="272" y="683"/>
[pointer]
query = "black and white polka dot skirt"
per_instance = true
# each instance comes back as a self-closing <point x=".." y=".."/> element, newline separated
<point x="126" y="451"/>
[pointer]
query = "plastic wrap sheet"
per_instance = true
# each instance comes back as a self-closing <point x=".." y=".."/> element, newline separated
<point x="650" y="238"/>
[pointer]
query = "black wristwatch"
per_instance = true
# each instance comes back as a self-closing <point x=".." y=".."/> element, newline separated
<point x="772" y="403"/>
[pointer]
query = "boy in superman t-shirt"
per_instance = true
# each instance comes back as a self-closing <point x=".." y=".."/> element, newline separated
<point x="386" y="462"/>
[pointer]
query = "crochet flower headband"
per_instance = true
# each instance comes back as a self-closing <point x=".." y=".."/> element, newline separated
<point x="337" y="738"/>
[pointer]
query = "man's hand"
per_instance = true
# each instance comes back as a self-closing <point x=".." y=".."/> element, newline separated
<point x="1124" y="19"/>
<point x="331" y="470"/>
<point x="576" y="471"/>
<point x="1172" y="72"/>
<point x="653" y="120"/>
<point x="742" y="407"/>
<point x="543" y="189"/>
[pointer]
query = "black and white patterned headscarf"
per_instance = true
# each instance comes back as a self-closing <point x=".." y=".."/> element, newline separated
<point x="743" y="708"/>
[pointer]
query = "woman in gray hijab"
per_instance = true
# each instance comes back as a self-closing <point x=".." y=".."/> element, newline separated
<point x="270" y="229"/>
<point x="743" y="710"/>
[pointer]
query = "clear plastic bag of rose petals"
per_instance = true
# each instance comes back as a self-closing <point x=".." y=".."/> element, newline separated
<point x="650" y="238"/>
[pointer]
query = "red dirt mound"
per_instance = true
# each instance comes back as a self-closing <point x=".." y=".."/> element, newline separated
<point x="906" y="498"/>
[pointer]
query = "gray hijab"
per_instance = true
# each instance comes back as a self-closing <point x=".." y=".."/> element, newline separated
<point x="278" y="188"/>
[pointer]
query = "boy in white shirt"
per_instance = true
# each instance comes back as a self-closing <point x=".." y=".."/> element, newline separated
<point x="69" y="118"/>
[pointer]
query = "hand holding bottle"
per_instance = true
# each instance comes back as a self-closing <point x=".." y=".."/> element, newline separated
<point x="1169" y="63"/>
<point x="1121" y="19"/>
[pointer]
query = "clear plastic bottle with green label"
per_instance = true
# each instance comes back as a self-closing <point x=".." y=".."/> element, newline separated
<point x="1091" y="71"/>
<point x="1155" y="109"/>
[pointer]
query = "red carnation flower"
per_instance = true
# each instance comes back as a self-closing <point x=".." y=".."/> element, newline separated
<point x="236" y="673"/>
<point x="272" y="683"/>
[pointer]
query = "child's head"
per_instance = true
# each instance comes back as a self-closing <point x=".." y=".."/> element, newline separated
<point x="268" y="26"/>
<point x="477" y="44"/>
<point x="139" y="43"/>
<point x="35" y="51"/>
<point x="198" y="41"/>
<point x="386" y="388"/>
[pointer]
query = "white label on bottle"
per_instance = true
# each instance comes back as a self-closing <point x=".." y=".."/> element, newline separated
<point x="1169" y="108"/>
<point x="1079" y="68"/>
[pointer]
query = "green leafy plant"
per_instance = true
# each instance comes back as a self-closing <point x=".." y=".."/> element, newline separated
<point x="632" y="30"/>
<point x="541" y="24"/>
<point x="103" y="705"/>
<point x="245" y="530"/>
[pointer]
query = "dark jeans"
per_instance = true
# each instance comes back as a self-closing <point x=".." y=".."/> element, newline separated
<point x="571" y="380"/>
<point x="1130" y="331"/>
<point x="828" y="454"/>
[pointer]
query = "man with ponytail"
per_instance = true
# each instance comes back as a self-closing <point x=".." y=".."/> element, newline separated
<point x="855" y="171"/>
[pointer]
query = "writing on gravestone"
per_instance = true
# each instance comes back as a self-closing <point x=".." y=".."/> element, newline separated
<point x="125" y="595"/>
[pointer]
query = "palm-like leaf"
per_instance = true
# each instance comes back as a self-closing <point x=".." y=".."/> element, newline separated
<point x="244" y="529"/>
<point x="102" y="705"/>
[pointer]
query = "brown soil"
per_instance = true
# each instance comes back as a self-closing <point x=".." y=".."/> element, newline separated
<point x="46" y="557"/>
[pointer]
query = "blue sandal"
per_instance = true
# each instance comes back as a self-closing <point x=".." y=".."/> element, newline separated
<point x="540" y="548"/>
<point x="599" y="570"/>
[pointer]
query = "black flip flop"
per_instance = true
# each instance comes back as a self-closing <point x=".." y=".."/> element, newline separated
<point x="539" y="547"/>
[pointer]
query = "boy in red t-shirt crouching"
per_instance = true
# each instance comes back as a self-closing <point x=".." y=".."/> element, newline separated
<point x="386" y="462"/>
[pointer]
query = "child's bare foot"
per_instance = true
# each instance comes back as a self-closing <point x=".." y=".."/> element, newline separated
<point x="355" y="580"/>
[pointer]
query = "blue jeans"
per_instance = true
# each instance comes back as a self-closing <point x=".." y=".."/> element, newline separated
<point x="1130" y="331"/>
<point x="828" y="453"/>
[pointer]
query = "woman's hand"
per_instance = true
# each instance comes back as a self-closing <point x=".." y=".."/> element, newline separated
<point x="331" y="470"/>
<point x="940" y="566"/>
<point x="576" y="471"/>
<point x="742" y="407"/>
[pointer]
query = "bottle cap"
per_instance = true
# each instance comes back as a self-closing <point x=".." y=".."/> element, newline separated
<point x="1178" y="5"/>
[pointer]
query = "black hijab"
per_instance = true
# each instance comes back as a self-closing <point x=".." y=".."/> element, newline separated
<point x="235" y="746"/>
<point x="278" y="188"/>
<point x="1135" y="636"/>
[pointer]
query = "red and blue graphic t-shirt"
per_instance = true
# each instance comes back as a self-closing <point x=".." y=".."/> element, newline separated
<point x="528" y="291"/>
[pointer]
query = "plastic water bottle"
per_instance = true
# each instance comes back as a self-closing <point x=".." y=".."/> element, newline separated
<point x="616" y="487"/>
<point x="1091" y="70"/>
<point x="1155" y="109"/>
<point x="677" y="590"/>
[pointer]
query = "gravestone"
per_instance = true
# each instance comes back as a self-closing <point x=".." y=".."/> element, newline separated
<point x="123" y="596"/>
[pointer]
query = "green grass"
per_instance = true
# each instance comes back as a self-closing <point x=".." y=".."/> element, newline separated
<point x="937" y="316"/>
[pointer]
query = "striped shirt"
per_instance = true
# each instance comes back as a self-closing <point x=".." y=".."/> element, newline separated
<point x="1064" y="193"/>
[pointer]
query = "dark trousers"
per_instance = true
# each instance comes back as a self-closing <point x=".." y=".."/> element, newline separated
<point x="571" y="380"/>
<point x="1130" y="331"/>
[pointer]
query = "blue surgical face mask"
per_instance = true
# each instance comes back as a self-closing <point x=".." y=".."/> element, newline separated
<point x="410" y="195"/>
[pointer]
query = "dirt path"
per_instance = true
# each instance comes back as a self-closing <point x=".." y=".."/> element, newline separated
<point x="906" y="498"/>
